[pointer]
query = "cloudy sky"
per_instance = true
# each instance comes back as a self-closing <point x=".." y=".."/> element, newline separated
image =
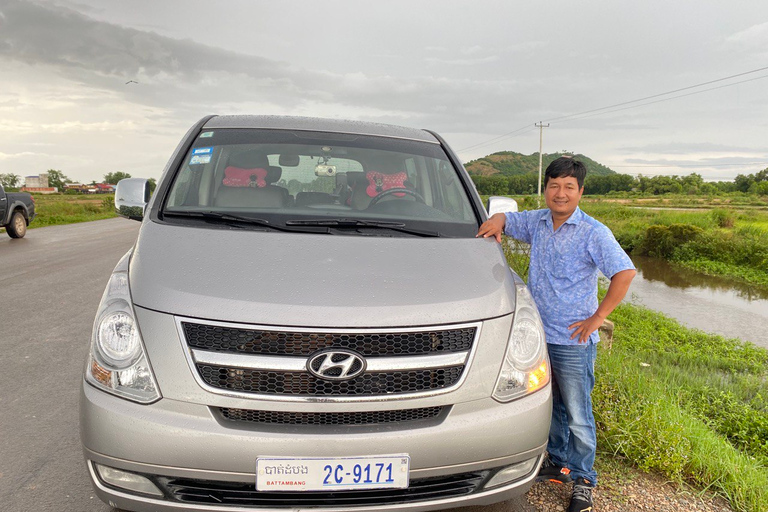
<point x="479" y="72"/>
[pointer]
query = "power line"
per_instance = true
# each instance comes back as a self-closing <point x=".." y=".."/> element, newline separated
<point x="662" y="94"/>
<point x="600" y="111"/>
<point x="686" y="165"/>
<point x="497" y="139"/>
<point x="661" y="100"/>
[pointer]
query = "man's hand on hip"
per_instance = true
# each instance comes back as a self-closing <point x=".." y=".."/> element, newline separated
<point x="585" y="328"/>
<point x="493" y="227"/>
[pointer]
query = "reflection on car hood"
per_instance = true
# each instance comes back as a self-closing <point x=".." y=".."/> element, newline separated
<point x="318" y="280"/>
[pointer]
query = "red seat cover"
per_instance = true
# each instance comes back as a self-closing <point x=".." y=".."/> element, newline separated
<point x="238" y="177"/>
<point x="379" y="182"/>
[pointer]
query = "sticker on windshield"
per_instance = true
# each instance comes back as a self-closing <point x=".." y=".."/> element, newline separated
<point x="205" y="135"/>
<point x="198" y="159"/>
<point x="202" y="151"/>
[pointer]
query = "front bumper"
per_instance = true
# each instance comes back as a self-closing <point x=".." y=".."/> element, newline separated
<point x="184" y="445"/>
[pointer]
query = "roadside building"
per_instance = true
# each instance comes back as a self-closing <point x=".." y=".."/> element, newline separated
<point x="38" y="184"/>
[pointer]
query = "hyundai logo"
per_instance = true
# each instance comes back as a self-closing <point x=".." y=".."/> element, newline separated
<point x="336" y="364"/>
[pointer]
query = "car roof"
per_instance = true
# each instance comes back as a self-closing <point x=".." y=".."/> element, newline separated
<point x="317" y="124"/>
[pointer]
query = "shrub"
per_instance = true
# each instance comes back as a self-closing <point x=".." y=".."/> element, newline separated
<point x="723" y="218"/>
<point x="662" y="241"/>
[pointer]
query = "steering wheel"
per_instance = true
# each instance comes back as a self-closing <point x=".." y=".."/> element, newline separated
<point x="391" y="191"/>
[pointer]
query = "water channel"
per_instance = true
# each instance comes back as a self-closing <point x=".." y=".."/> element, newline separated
<point x="712" y="304"/>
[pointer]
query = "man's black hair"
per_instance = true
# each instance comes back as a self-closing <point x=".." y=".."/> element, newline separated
<point x="566" y="166"/>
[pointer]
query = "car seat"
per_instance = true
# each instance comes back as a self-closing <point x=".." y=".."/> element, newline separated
<point x="245" y="183"/>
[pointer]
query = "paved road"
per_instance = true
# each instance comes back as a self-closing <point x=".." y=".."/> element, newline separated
<point x="50" y="286"/>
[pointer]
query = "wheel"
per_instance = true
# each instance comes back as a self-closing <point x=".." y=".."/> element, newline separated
<point x="390" y="191"/>
<point x="17" y="228"/>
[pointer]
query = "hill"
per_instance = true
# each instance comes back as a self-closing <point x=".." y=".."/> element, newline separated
<point x="509" y="163"/>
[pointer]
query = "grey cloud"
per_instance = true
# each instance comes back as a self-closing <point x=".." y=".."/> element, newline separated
<point x="104" y="56"/>
<point x="59" y="36"/>
<point x="464" y="62"/>
<point x="683" y="148"/>
<point x="701" y="162"/>
<point x="471" y="50"/>
<point x="754" y="36"/>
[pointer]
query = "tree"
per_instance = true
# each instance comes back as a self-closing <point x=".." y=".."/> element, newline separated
<point x="113" y="177"/>
<point x="57" y="179"/>
<point x="10" y="180"/>
<point x="152" y="185"/>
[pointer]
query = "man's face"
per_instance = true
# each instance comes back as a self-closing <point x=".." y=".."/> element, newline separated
<point x="562" y="195"/>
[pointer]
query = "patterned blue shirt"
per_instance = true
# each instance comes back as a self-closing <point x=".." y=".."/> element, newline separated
<point x="564" y="266"/>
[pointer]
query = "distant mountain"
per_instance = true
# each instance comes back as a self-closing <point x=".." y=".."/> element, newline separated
<point x="509" y="163"/>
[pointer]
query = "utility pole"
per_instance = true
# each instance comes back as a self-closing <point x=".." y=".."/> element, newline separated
<point x="541" y="126"/>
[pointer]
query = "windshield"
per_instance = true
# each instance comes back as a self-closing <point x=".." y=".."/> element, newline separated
<point x="344" y="182"/>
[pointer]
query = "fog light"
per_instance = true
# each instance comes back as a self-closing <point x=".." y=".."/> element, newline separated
<point x="127" y="481"/>
<point x="512" y="473"/>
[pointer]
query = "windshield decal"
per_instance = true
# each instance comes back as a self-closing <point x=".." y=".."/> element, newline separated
<point x="199" y="159"/>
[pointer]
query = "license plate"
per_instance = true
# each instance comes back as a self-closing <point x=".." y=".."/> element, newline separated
<point x="320" y="474"/>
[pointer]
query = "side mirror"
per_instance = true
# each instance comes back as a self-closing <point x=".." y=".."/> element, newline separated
<point x="499" y="204"/>
<point x="131" y="197"/>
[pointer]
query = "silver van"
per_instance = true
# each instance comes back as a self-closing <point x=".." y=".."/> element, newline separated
<point x="307" y="321"/>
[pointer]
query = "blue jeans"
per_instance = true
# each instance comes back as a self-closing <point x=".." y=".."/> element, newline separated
<point x="572" y="434"/>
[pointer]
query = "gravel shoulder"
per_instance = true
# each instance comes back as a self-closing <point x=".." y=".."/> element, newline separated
<point x="624" y="489"/>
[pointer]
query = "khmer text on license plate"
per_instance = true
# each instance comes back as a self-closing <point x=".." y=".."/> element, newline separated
<point x="320" y="474"/>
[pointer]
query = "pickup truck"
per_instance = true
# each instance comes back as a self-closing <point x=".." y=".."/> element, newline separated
<point x="17" y="209"/>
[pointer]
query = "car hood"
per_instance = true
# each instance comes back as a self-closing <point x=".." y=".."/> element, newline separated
<point x="297" y="279"/>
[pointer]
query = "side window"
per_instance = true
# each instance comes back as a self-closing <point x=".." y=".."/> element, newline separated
<point x="454" y="199"/>
<point x="180" y="188"/>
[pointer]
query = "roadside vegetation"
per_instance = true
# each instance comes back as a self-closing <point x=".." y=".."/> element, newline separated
<point x="724" y="241"/>
<point x="726" y="237"/>
<point x="57" y="209"/>
<point x="680" y="402"/>
<point x="687" y="404"/>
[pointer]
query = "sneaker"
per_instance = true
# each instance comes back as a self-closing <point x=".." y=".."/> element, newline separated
<point x="581" y="497"/>
<point x="553" y="473"/>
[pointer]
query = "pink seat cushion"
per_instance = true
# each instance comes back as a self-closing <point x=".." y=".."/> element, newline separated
<point x="238" y="177"/>
<point x="379" y="182"/>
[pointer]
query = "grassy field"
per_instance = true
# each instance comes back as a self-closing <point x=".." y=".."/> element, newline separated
<point x="730" y="242"/>
<point x="687" y="404"/>
<point x="57" y="209"/>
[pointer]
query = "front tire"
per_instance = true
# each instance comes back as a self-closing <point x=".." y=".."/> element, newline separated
<point x="17" y="228"/>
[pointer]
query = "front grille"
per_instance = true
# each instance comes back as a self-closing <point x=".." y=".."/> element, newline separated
<point x="323" y="418"/>
<point x="286" y="343"/>
<point x="202" y="492"/>
<point x="304" y="384"/>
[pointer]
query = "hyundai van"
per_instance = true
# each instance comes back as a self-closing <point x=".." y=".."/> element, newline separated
<point x="307" y="321"/>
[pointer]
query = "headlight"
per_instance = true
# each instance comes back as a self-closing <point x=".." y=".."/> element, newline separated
<point x="117" y="362"/>
<point x="117" y="340"/>
<point x="526" y="367"/>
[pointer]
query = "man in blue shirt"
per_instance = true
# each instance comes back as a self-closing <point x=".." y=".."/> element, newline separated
<point x="568" y="248"/>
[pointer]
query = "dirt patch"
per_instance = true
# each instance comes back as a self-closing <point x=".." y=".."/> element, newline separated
<point x="633" y="491"/>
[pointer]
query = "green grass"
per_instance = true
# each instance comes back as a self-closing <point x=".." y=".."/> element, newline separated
<point x="58" y="209"/>
<point x="689" y="405"/>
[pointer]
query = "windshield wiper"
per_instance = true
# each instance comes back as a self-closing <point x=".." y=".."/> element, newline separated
<point x="355" y="223"/>
<point x="240" y="220"/>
